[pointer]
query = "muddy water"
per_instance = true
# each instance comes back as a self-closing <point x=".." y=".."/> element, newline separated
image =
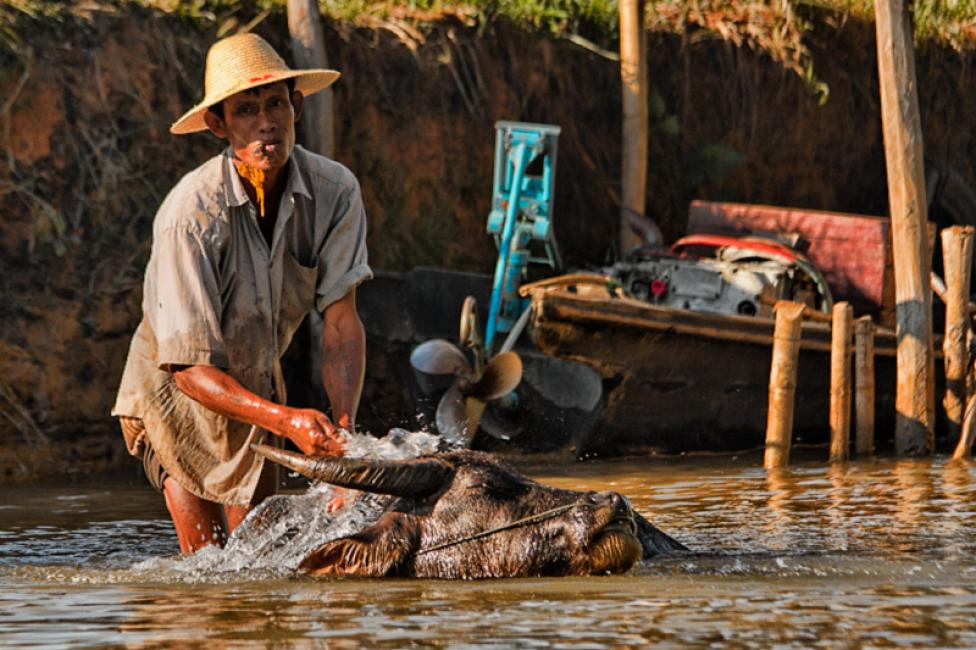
<point x="872" y="554"/>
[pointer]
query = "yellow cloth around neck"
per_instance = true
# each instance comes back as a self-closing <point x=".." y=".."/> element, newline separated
<point x="256" y="177"/>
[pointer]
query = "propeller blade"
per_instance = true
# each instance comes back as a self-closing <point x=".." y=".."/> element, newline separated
<point x="473" y="409"/>
<point x="502" y="374"/>
<point x="452" y="418"/>
<point x="439" y="357"/>
<point x="500" y="428"/>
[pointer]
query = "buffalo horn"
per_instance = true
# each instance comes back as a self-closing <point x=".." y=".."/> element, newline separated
<point x="406" y="478"/>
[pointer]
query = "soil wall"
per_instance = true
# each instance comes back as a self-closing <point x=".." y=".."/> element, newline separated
<point x="85" y="158"/>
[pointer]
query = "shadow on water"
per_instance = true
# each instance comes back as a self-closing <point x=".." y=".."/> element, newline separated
<point x="877" y="553"/>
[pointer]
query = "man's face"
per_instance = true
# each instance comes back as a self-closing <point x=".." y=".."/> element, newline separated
<point x="259" y="124"/>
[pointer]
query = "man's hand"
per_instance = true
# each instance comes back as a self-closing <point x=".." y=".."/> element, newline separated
<point x="312" y="431"/>
<point x="344" y="423"/>
<point x="338" y="501"/>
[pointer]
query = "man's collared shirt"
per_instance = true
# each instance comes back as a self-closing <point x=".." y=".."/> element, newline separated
<point x="217" y="294"/>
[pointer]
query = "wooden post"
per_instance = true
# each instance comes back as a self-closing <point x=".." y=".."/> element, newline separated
<point x="968" y="433"/>
<point x="864" y="389"/>
<point x="915" y="398"/>
<point x="957" y="259"/>
<point x="840" y="382"/>
<point x="633" y="77"/>
<point x="965" y="446"/>
<point x="782" y="383"/>
<point x="308" y="50"/>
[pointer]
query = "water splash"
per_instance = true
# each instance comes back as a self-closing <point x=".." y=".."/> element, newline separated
<point x="277" y="535"/>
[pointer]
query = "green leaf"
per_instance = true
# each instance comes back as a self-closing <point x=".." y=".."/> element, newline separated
<point x="669" y="125"/>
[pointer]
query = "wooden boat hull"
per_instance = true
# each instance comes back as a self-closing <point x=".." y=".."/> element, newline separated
<point x="676" y="380"/>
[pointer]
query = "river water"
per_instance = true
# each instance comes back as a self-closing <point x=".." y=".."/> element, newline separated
<point x="878" y="553"/>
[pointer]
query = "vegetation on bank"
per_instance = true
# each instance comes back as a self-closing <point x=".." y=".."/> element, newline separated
<point x="781" y="29"/>
<point x="768" y="24"/>
<point x="778" y="28"/>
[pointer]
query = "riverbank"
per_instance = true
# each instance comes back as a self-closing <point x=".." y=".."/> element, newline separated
<point x="85" y="160"/>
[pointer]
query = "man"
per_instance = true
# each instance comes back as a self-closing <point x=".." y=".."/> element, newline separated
<point x="243" y="247"/>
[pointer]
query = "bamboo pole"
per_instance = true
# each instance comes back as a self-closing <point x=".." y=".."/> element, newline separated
<point x="965" y="446"/>
<point x="840" y="382"/>
<point x="915" y="398"/>
<point x="782" y="384"/>
<point x="633" y="77"/>
<point x="864" y="385"/>
<point x="957" y="259"/>
<point x="308" y="50"/>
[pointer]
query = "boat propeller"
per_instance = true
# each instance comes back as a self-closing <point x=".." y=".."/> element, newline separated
<point x="475" y="384"/>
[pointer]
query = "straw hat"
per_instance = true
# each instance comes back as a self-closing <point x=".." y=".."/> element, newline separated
<point x="240" y="62"/>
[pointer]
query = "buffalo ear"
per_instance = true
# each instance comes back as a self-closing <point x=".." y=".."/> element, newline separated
<point x="343" y="557"/>
<point x="383" y="549"/>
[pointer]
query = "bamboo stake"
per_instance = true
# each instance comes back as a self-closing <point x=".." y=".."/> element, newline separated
<point x="633" y="77"/>
<point x="782" y="384"/>
<point x="308" y="50"/>
<point x="965" y="446"/>
<point x="840" y="382"/>
<point x="915" y="398"/>
<point x="971" y="375"/>
<point x="864" y="389"/>
<point x="957" y="259"/>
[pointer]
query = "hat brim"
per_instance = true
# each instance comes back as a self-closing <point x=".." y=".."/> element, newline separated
<point x="308" y="82"/>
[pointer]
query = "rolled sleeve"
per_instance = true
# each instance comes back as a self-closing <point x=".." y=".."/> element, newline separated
<point x="182" y="301"/>
<point x="342" y="259"/>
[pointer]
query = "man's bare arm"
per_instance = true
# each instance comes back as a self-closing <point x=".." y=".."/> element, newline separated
<point x="311" y="430"/>
<point x="343" y="358"/>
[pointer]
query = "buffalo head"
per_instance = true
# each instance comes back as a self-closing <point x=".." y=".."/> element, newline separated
<point x="464" y="514"/>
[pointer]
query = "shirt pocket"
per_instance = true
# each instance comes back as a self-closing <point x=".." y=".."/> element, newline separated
<point x="298" y="283"/>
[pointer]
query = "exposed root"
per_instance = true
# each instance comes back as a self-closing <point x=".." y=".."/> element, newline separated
<point x="21" y="418"/>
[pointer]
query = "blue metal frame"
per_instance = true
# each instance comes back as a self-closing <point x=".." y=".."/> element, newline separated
<point x="521" y="212"/>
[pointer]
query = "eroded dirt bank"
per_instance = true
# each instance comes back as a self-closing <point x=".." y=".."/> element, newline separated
<point x="85" y="103"/>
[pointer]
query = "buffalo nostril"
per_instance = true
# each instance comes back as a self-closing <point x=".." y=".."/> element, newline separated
<point x="610" y="499"/>
<point x="619" y="503"/>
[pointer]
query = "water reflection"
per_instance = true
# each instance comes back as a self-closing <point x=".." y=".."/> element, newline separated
<point x="957" y="490"/>
<point x="869" y="553"/>
<point x="782" y="491"/>
<point x="913" y="493"/>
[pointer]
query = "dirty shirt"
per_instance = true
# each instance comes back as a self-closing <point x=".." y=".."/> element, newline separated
<point x="217" y="294"/>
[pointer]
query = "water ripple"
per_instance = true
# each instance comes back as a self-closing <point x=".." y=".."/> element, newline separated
<point x="877" y="553"/>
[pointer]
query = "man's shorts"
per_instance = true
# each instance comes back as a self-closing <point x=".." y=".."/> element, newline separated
<point x="134" y="432"/>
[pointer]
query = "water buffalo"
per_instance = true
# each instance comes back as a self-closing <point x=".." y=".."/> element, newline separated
<point x="465" y="514"/>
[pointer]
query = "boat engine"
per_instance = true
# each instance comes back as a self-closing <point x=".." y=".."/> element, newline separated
<point x="724" y="275"/>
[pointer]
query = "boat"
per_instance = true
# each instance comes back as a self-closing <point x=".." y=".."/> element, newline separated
<point x="676" y="379"/>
